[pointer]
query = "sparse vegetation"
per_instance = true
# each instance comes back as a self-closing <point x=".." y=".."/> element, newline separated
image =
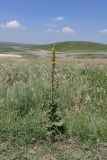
<point x="7" y="49"/>
<point x="81" y="95"/>
<point x="70" y="46"/>
<point x="73" y="46"/>
<point x="25" y="90"/>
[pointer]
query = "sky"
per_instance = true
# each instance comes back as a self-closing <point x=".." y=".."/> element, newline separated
<point x="47" y="21"/>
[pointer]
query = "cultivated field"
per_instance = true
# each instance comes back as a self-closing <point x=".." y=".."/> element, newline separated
<point x="81" y="95"/>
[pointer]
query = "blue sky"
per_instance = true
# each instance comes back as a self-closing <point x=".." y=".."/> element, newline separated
<point x="46" y="21"/>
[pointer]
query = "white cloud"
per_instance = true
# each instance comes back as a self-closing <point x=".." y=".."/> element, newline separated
<point x="14" y="24"/>
<point x="104" y="31"/>
<point x="59" y="18"/>
<point x="54" y="28"/>
<point x="50" y="28"/>
<point x="67" y="30"/>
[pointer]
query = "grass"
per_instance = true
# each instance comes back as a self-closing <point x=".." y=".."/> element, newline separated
<point x="70" y="46"/>
<point x="8" y="49"/>
<point x="73" y="46"/>
<point x="81" y="94"/>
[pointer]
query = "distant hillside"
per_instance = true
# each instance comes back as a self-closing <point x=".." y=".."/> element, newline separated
<point x="70" y="46"/>
<point x="10" y="47"/>
<point x="73" y="46"/>
<point x="10" y="44"/>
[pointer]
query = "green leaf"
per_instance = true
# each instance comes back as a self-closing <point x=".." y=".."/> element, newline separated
<point x="59" y="123"/>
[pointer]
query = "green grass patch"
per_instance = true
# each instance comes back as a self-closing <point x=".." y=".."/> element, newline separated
<point x="72" y="46"/>
<point x="81" y="95"/>
<point x="25" y="93"/>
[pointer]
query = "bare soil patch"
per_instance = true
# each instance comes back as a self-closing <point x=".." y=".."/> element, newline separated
<point x="10" y="55"/>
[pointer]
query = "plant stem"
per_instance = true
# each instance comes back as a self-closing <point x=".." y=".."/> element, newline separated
<point x="53" y="72"/>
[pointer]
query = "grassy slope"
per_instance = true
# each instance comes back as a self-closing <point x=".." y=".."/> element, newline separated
<point x="73" y="46"/>
<point x="9" y="47"/>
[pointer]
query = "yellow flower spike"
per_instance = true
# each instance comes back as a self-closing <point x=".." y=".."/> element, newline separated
<point x="53" y="55"/>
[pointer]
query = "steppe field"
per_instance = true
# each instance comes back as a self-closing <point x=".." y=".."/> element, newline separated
<point x="80" y="92"/>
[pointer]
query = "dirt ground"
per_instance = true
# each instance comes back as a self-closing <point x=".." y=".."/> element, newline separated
<point x="68" y="150"/>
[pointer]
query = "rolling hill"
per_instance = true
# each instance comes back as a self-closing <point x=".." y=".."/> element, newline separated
<point x="70" y="46"/>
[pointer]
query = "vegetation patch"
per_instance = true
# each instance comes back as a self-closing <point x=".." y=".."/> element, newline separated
<point x="80" y="92"/>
